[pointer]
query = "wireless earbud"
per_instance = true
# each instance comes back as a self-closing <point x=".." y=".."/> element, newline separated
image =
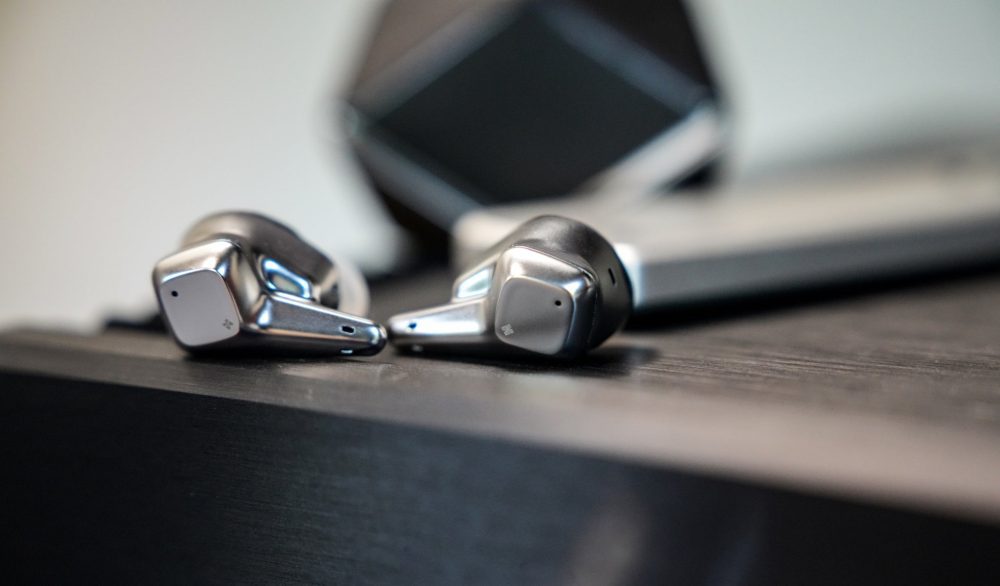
<point x="554" y="286"/>
<point x="245" y="281"/>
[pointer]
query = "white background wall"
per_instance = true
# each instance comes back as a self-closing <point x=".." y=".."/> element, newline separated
<point x="811" y="80"/>
<point x="123" y="121"/>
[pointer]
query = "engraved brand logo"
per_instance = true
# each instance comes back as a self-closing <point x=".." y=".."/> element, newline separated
<point x="507" y="329"/>
<point x="226" y="323"/>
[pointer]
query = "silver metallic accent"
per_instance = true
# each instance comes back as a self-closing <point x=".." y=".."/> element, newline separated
<point x="221" y="293"/>
<point x="520" y="297"/>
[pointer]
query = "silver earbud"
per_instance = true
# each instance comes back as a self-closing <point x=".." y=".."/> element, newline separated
<point x="245" y="281"/>
<point x="554" y="286"/>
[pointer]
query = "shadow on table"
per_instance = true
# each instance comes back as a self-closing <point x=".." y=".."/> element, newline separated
<point x="615" y="359"/>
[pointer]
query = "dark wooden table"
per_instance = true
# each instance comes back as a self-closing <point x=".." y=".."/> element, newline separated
<point x="846" y="440"/>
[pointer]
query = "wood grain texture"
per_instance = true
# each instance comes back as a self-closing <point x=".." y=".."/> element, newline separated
<point x="766" y="448"/>
<point x="892" y="396"/>
<point x="117" y="484"/>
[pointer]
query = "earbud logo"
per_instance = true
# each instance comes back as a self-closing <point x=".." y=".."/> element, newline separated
<point x="507" y="329"/>
<point x="227" y="323"/>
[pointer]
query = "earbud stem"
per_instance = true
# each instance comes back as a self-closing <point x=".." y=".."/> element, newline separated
<point x="305" y="323"/>
<point x="460" y="322"/>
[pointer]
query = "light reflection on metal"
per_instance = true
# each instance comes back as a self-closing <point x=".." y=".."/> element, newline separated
<point x="264" y="316"/>
<point x="464" y="318"/>
<point x="476" y="285"/>
<point x="547" y="288"/>
<point x="226" y="290"/>
<point x="278" y="277"/>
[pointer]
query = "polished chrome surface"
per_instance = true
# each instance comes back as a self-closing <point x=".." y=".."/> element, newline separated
<point x="332" y="282"/>
<point x="463" y="321"/>
<point x="294" y="318"/>
<point x="278" y="277"/>
<point x="253" y="284"/>
<point x="520" y="297"/>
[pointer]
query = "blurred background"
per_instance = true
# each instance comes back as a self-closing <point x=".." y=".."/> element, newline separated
<point x="124" y="122"/>
<point x="121" y="123"/>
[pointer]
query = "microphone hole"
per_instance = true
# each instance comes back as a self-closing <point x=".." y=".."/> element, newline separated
<point x="412" y="325"/>
<point x="173" y="293"/>
<point x="347" y="329"/>
<point x="558" y="303"/>
<point x="614" y="282"/>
